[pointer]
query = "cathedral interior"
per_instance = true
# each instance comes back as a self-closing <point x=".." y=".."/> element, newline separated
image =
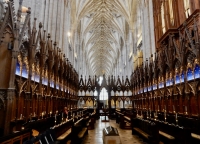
<point x="99" y="72"/>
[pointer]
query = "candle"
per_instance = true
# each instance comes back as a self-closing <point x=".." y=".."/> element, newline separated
<point x="21" y="116"/>
<point x="62" y="115"/>
<point x="176" y="116"/>
<point x="185" y="108"/>
<point x="55" y="117"/>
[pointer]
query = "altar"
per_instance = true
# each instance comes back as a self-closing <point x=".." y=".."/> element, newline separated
<point x="111" y="136"/>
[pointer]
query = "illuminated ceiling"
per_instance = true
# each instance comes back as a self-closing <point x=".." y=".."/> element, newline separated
<point x="102" y="25"/>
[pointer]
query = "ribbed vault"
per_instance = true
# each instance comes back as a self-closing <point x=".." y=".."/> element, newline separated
<point x="103" y="30"/>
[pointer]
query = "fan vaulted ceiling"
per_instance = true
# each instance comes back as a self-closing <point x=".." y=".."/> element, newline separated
<point x="102" y="25"/>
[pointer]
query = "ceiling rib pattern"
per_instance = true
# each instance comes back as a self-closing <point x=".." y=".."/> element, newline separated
<point x="103" y="27"/>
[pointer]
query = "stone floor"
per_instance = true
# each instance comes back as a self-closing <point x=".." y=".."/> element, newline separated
<point x="95" y="136"/>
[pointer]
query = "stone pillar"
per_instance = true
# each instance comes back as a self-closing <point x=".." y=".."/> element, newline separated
<point x="50" y="14"/>
<point x="46" y="15"/>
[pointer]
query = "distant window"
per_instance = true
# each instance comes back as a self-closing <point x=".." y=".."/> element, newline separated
<point x="103" y="94"/>
<point x="163" y="18"/>
<point x="95" y="93"/>
<point x="171" y="12"/>
<point x="187" y="8"/>
<point x="100" y="80"/>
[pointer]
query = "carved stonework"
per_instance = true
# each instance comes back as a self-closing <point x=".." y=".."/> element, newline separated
<point x="2" y="98"/>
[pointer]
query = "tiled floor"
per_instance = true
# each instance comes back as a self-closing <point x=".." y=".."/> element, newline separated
<point x="95" y="136"/>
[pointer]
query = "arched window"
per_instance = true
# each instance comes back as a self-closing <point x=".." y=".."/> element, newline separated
<point x="103" y="94"/>
<point x="163" y="18"/>
<point x="187" y="8"/>
<point x="171" y="13"/>
<point x="95" y="93"/>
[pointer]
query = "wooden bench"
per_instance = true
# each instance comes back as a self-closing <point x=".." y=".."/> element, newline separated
<point x="58" y="134"/>
<point x="92" y="121"/>
<point x="147" y="129"/>
<point x="18" y="137"/>
<point x="166" y="135"/>
<point x="118" y="115"/>
<point x="62" y="132"/>
<point x="64" y="135"/>
<point x="125" y="122"/>
<point x="172" y="134"/>
<point x="147" y="136"/>
<point x="79" y="130"/>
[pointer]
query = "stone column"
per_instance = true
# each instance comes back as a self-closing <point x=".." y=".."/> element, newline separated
<point x="50" y="13"/>
<point x="58" y="22"/>
<point x="46" y="15"/>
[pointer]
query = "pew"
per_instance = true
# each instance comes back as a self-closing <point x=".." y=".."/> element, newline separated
<point x="16" y="138"/>
<point x="51" y="131"/>
<point x="63" y="131"/>
<point x="146" y="129"/>
<point x="123" y="118"/>
<point x="58" y="134"/>
<point x="193" y="126"/>
<point x="125" y="122"/>
<point x="79" y="130"/>
<point x="118" y="115"/>
<point x="184" y="130"/>
<point x="92" y="121"/>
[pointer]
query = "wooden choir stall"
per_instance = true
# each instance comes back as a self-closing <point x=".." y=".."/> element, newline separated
<point x="39" y="86"/>
<point x="166" y="100"/>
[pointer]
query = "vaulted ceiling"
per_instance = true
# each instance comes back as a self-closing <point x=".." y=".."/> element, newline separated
<point x="103" y="26"/>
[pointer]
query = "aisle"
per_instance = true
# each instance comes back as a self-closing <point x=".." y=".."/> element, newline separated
<point x="95" y="136"/>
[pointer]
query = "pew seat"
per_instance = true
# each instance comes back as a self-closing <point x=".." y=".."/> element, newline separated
<point x="125" y="122"/>
<point x="146" y="129"/>
<point x="166" y="135"/>
<point x="79" y="130"/>
<point x="64" y="135"/>
<point x="127" y="118"/>
<point x="142" y="133"/>
<point x="17" y="137"/>
<point x="82" y="132"/>
<point x="196" y="136"/>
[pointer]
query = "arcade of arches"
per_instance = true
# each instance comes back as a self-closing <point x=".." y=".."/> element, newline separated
<point x="66" y="66"/>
